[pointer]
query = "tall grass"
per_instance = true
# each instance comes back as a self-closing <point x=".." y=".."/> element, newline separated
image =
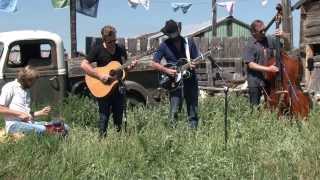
<point x="259" y="146"/>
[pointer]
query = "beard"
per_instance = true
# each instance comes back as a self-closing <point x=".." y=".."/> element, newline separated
<point x="25" y="86"/>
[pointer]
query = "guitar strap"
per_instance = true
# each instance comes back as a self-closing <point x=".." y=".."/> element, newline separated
<point x="187" y="49"/>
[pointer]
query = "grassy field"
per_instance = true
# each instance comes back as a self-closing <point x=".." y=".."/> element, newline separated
<point x="259" y="147"/>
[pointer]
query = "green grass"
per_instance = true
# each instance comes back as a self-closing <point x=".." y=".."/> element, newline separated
<point x="259" y="146"/>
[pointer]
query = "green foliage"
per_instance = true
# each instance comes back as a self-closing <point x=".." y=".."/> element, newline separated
<point x="259" y="146"/>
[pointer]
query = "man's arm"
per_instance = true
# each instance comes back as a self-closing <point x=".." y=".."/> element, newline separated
<point x="43" y="112"/>
<point x="88" y="69"/>
<point x="9" y="112"/>
<point x="262" y="68"/>
<point x="158" y="55"/>
<point x="161" y="68"/>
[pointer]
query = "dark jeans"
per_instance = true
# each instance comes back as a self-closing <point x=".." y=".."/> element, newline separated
<point x="114" y="103"/>
<point x="255" y="94"/>
<point x="190" y="93"/>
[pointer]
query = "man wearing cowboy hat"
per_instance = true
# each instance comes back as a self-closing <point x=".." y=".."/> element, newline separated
<point x="173" y="49"/>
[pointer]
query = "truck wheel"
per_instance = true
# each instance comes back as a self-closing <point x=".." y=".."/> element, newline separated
<point x="80" y="89"/>
<point x="135" y="100"/>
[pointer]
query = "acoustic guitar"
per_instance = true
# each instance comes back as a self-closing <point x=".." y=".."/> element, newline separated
<point x="115" y="70"/>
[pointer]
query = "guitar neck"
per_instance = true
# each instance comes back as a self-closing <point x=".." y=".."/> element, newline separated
<point x="199" y="58"/>
<point x="125" y="65"/>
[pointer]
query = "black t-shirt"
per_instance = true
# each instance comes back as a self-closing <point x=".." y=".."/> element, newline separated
<point x="100" y="55"/>
<point x="258" y="52"/>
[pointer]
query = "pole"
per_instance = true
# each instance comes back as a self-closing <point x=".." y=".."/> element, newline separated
<point x="226" y="89"/>
<point x="287" y="23"/>
<point x="214" y="18"/>
<point x="73" y="28"/>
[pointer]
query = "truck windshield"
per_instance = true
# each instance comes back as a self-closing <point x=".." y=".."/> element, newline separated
<point x="1" y="48"/>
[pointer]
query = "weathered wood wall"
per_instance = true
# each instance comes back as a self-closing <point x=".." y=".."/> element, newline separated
<point x="227" y="64"/>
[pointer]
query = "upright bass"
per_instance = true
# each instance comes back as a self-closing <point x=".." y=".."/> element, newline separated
<point x="283" y="91"/>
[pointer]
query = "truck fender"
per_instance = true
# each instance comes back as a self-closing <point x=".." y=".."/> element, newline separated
<point x="132" y="86"/>
<point x="79" y="87"/>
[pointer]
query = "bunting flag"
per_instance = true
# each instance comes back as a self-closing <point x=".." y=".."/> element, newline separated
<point x="134" y="3"/>
<point x="264" y="2"/>
<point x="229" y="5"/>
<point x="183" y="6"/>
<point x="87" y="7"/>
<point x="60" y="3"/>
<point x="8" y="5"/>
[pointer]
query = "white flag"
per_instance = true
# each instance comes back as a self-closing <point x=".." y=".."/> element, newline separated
<point x="229" y="5"/>
<point x="135" y="3"/>
<point x="264" y="2"/>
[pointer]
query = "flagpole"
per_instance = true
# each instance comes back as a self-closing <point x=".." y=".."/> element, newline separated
<point x="214" y="18"/>
<point x="73" y="28"/>
<point x="287" y="23"/>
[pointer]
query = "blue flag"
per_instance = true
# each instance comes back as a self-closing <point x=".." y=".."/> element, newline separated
<point x="87" y="7"/>
<point x="183" y="6"/>
<point x="8" y="5"/>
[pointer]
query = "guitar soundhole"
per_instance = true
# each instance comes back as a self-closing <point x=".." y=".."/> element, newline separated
<point x="116" y="74"/>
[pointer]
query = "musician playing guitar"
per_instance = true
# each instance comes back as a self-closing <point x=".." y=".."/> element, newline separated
<point x="256" y="54"/>
<point x="172" y="50"/>
<point x="103" y="54"/>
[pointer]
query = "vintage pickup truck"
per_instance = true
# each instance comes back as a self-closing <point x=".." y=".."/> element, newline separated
<point x="59" y="76"/>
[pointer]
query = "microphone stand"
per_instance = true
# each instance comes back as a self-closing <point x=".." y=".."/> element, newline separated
<point x="225" y="90"/>
<point x="123" y="91"/>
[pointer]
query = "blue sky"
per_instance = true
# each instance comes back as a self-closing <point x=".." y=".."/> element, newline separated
<point x="40" y="15"/>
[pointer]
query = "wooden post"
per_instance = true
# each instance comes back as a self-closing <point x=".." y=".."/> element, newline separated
<point x="229" y="26"/>
<point x="214" y="18"/>
<point x="287" y="23"/>
<point x="73" y="28"/>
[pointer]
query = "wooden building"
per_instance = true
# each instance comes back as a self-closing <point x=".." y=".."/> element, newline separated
<point x="310" y="40"/>
<point x="226" y="27"/>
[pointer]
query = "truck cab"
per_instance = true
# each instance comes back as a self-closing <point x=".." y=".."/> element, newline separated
<point x="41" y="50"/>
<point x="58" y="76"/>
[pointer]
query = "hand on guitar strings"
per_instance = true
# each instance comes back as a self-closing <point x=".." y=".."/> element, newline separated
<point x="170" y="72"/>
<point x="105" y="78"/>
<point x="272" y="68"/>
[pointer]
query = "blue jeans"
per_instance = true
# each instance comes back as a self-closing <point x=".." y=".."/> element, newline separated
<point x="27" y="128"/>
<point x="189" y="92"/>
<point x="114" y="104"/>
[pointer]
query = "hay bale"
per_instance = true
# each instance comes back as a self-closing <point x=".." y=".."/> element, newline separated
<point x="4" y="137"/>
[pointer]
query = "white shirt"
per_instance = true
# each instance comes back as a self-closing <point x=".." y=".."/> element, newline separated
<point x="15" y="98"/>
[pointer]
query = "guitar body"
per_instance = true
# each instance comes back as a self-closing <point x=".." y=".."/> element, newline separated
<point x="100" y="89"/>
<point x="171" y="83"/>
<point x="183" y="72"/>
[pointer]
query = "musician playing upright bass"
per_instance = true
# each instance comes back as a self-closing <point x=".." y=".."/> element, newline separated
<point x="172" y="50"/>
<point x="104" y="53"/>
<point x="257" y="52"/>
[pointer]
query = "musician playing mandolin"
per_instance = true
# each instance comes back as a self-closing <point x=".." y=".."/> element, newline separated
<point x="256" y="54"/>
<point x="173" y="49"/>
<point x="103" y="54"/>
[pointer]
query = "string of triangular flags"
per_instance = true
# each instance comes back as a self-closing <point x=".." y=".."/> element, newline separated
<point x="85" y="7"/>
<point x="90" y="7"/>
<point x="185" y="7"/>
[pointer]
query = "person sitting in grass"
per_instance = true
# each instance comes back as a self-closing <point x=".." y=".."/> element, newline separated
<point x="15" y="103"/>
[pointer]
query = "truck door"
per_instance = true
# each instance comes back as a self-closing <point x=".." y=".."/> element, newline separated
<point x="42" y="55"/>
